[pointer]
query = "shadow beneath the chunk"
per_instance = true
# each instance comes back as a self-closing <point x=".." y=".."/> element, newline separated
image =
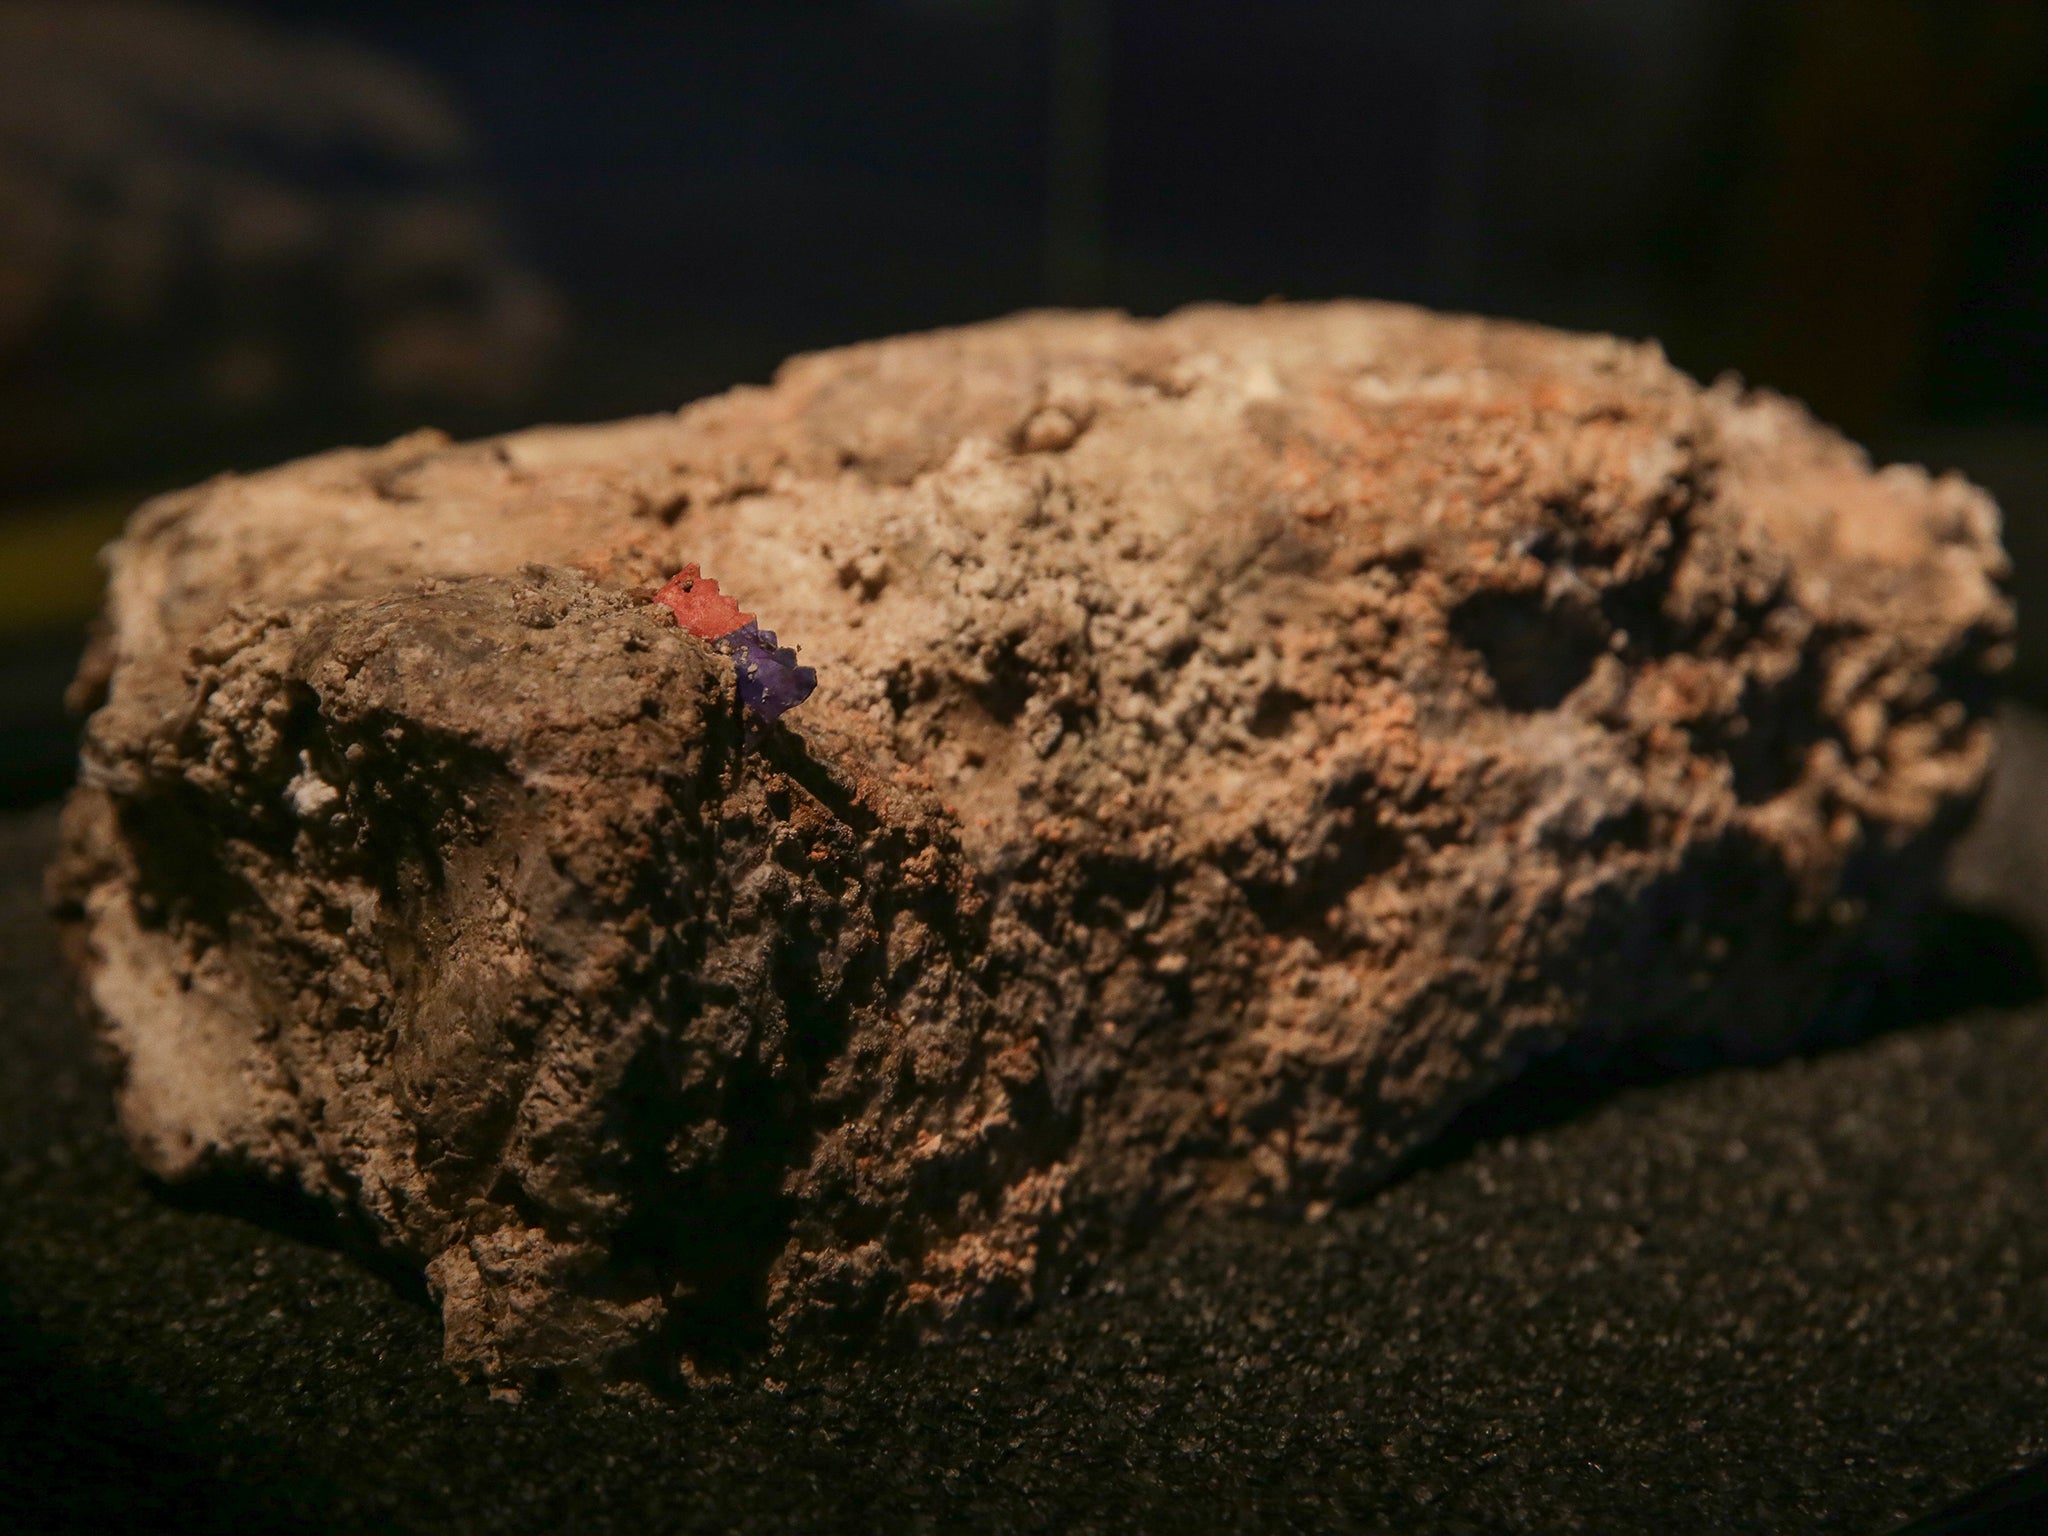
<point x="2013" y="1505"/>
<point x="1967" y="961"/>
<point x="290" y="1212"/>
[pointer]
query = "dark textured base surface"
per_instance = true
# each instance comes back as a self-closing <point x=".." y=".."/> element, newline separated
<point x="1812" y="1296"/>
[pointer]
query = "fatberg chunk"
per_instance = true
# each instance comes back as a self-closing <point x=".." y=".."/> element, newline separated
<point x="1199" y="803"/>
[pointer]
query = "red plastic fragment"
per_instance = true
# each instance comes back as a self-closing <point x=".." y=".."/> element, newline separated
<point x="700" y="607"/>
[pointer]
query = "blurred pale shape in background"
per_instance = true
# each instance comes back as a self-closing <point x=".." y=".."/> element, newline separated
<point x="226" y="215"/>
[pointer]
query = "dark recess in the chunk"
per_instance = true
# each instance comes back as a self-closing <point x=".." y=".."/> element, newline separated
<point x="1535" y="652"/>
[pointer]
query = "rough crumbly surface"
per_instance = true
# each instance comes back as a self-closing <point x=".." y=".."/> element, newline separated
<point x="1241" y="739"/>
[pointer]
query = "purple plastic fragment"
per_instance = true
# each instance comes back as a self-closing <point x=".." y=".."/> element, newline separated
<point x="770" y="679"/>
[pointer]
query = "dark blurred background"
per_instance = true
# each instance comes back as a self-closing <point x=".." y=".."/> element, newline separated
<point x="235" y="232"/>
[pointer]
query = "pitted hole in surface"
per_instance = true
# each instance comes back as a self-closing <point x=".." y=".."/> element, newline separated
<point x="1009" y="686"/>
<point x="1276" y="711"/>
<point x="1308" y="901"/>
<point x="1535" y="652"/>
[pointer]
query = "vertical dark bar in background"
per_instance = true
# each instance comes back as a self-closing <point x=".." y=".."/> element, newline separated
<point x="1077" y="170"/>
<point x="1886" y="121"/>
<point x="1458" y="190"/>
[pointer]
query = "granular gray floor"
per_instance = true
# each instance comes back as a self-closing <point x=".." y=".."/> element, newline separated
<point x="1812" y="1296"/>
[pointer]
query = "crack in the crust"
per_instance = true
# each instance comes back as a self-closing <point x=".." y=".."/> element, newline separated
<point x="788" y="752"/>
<point x="1306" y="900"/>
<point x="709" y="1218"/>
